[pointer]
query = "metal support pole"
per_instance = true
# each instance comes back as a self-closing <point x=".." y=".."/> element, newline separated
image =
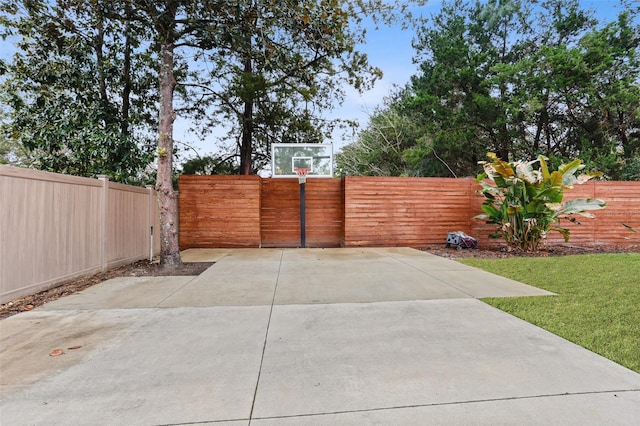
<point x="303" y="236"/>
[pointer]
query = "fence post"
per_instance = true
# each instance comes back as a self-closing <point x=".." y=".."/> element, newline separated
<point x="104" y="216"/>
<point x="152" y="219"/>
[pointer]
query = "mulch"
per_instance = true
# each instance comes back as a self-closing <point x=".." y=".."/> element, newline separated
<point x="552" y="250"/>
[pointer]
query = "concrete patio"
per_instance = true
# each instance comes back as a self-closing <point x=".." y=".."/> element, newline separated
<point x="356" y="336"/>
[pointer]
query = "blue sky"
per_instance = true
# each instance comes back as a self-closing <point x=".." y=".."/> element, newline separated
<point x="388" y="48"/>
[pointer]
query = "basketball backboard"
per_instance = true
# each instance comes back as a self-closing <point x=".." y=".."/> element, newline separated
<point x="287" y="157"/>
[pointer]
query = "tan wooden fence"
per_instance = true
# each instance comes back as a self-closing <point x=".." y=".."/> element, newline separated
<point x="228" y="211"/>
<point x="56" y="227"/>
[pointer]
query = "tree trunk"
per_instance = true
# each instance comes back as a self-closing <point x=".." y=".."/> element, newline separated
<point x="126" y="72"/>
<point x="169" y="247"/>
<point x="246" y="149"/>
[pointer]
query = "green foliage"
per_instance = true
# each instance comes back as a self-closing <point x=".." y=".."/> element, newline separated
<point x="596" y="305"/>
<point x="274" y="68"/>
<point x="523" y="78"/>
<point x="68" y="92"/>
<point x="209" y="165"/>
<point x="525" y="203"/>
<point x="381" y="148"/>
<point x="632" y="170"/>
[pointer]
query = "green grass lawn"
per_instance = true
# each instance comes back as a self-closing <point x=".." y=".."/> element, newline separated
<point x="598" y="302"/>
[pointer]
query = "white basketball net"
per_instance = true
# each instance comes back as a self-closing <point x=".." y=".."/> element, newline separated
<point x="302" y="174"/>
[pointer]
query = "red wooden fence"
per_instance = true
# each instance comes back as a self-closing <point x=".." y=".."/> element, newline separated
<point x="219" y="211"/>
<point x="414" y="212"/>
<point x="235" y="211"/>
<point x="280" y="212"/>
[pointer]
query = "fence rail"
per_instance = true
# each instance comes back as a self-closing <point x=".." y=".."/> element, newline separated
<point x="56" y="227"/>
<point x="229" y="211"/>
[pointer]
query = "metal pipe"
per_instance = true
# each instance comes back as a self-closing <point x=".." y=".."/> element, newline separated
<point x="303" y="236"/>
<point x="151" y="245"/>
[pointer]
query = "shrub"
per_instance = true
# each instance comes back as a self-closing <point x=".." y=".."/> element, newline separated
<point x="526" y="202"/>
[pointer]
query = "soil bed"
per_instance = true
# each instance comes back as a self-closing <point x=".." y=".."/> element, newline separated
<point x="554" y="250"/>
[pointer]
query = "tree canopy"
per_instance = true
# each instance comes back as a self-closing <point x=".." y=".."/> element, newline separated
<point x="77" y="97"/>
<point x="93" y="82"/>
<point x="520" y="78"/>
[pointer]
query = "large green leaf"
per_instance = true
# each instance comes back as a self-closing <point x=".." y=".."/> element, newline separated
<point x="544" y="168"/>
<point x="491" y="211"/>
<point x="568" y="172"/>
<point x="581" y="205"/>
<point x="564" y="231"/>
<point x="555" y="179"/>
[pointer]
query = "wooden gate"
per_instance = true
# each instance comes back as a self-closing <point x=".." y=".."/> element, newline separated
<point x="280" y="212"/>
<point x="248" y="211"/>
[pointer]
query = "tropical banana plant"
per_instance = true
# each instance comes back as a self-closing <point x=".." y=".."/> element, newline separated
<point x="524" y="199"/>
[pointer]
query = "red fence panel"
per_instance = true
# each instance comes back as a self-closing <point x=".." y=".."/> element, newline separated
<point x="247" y="211"/>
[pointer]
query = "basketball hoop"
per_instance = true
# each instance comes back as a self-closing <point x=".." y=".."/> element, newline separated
<point x="302" y="173"/>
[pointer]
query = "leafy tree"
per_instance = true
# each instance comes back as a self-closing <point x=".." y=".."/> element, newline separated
<point x="465" y="93"/>
<point x="209" y="165"/>
<point x="632" y="170"/>
<point x="381" y="148"/>
<point x="69" y="89"/>
<point x="12" y="153"/>
<point x="587" y="84"/>
<point x="607" y="112"/>
<point x="523" y="78"/>
<point x="272" y="66"/>
<point x="172" y="23"/>
<point x="84" y="83"/>
<point x="525" y="202"/>
<point x="280" y="64"/>
<point x="274" y="50"/>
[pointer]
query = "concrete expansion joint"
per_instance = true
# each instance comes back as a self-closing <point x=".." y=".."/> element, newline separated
<point x="266" y="337"/>
<point x="433" y="277"/>
<point x="439" y="404"/>
<point x="176" y="291"/>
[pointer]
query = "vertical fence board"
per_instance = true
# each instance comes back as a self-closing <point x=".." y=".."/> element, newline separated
<point x="128" y="226"/>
